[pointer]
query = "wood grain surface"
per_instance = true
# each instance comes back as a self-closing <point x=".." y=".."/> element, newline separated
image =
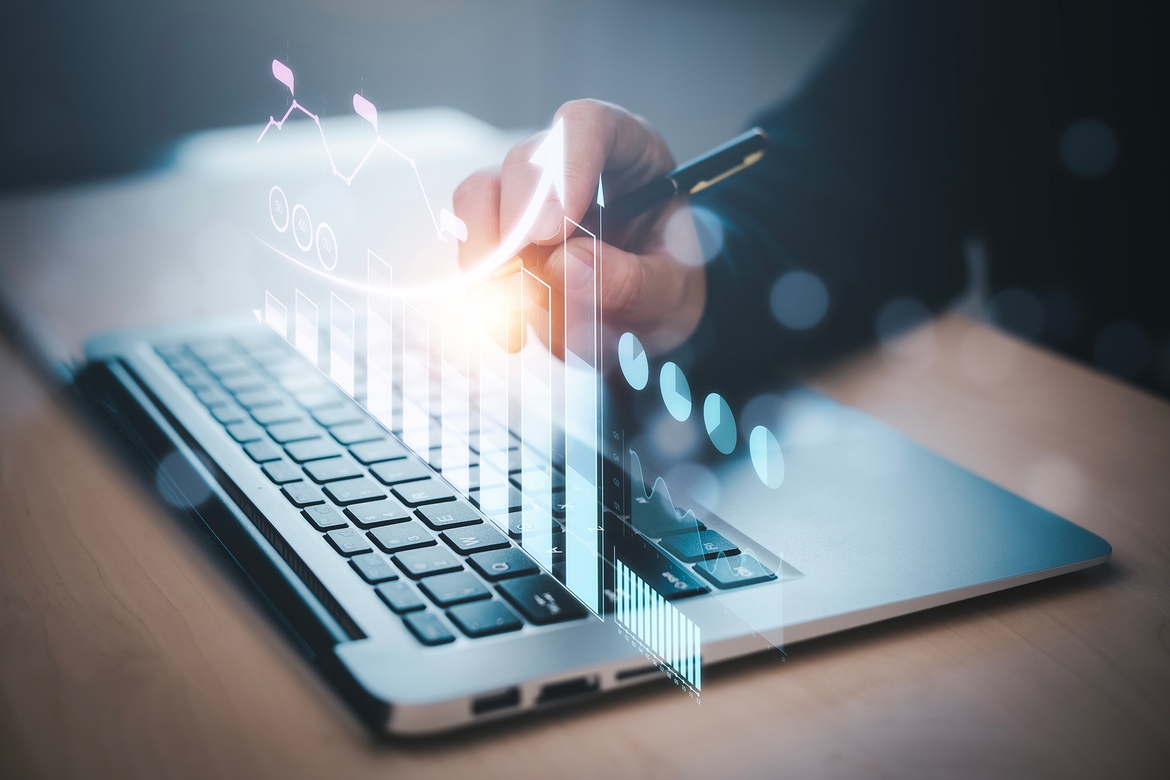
<point x="129" y="648"/>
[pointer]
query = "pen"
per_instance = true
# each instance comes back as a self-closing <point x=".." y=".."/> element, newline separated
<point x="691" y="177"/>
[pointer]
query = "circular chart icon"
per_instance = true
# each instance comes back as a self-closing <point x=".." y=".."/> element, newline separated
<point x="676" y="393"/>
<point x="766" y="457"/>
<point x="326" y="247"/>
<point x="278" y="209"/>
<point x="720" y="423"/>
<point x="302" y="227"/>
<point x="632" y="359"/>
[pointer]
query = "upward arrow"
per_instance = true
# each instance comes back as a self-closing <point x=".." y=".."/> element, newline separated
<point x="550" y="156"/>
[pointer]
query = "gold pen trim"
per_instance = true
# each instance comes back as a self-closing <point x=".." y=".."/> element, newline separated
<point x="751" y="159"/>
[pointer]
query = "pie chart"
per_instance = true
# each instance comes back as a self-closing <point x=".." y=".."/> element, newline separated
<point x="632" y="359"/>
<point x="766" y="457"/>
<point x="676" y="393"/>
<point x="720" y="424"/>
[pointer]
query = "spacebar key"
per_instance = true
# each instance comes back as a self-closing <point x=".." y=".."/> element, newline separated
<point x="542" y="600"/>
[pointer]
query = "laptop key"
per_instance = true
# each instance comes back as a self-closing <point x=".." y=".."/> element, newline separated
<point x="353" y="491"/>
<point x="373" y="568"/>
<point x="355" y="433"/>
<point x="484" y="618"/>
<point x="213" y="396"/>
<point x="255" y="398"/>
<point x="423" y="491"/>
<point x="312" y="449"/>
<point x="449" y="589"/>
<point x="342" y="414"/>
<point x="400" y="596"/>
<point x="396" y="471"/>
<point x="377" y="451"/>
<point x="349" y="541"/>
<point x="332" y="470"/>
<point x="302" y="494"/>
<point x="376" y="513"/>
<point x="226" y="414"/>
<point x="500" y="564"/>
<point x="288" y="432"/>
<point x="402" y="536"/>
<point x="263" y="451"/>
<point x="541" y="599"/>
<point x="734" y="571"/>
<point x="427" y="628"/>
<point x="246" y="431"/>
<point x="451" y="514"/>
<point x="278" y="413"/>
<point x="324" y="517"/>
<point x="282" y="472"/>
<point x="316" y="397"/>
<point x="240" y="383"/>
<point x="665" y="576"/>
<point x="475" y="539"/>
<point x="698" y="546"/>
<point x="427" y="561"/>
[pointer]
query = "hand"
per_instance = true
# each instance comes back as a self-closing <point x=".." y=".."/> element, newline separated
<point x="652" y="276"/>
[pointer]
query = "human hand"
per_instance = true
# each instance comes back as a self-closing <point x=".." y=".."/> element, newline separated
<point x="652" y="280"/>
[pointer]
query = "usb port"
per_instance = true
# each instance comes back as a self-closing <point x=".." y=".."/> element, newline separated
<point x="496" y="701"/>
<point x="568" y="689"/>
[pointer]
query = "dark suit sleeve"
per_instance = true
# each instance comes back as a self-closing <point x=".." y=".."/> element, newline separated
<point x="856" y="187"/>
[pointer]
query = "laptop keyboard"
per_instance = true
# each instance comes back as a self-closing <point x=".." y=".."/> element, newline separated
<point x="431" y="556"/>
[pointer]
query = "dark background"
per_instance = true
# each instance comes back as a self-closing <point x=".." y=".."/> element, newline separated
<point x="100" y="88"/>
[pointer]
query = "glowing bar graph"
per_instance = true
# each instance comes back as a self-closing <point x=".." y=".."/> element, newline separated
<point x="341" y="340"/>
<point x="491" y="308"/>
<point x="536" y="419"/>
<point x="416" y="381"/>
<point x="379" y="342"/>
<point x="582" y="423"/>
<point x="456" y="395"/>
<point x="657" y="627"/>
<point x="276" y="314"/>
<point x="306" y="327"/>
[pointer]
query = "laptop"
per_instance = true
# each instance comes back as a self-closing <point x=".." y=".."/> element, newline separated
<point x="454" y="525"/>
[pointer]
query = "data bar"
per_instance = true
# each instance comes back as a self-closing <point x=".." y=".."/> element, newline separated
<point x="306" y="327"/>
<point x="536" y="419"/>
<point x="582" y="425"/>
<point x="380" y="340"/>
<point x="491" y="309"/>
<point x="455" y="414"/>
<point x="416" y="381"/>
<point x="342" y="327"/>
<point x="275" y="314"/>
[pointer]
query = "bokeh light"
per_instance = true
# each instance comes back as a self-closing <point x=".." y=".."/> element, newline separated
<point x="799" y="300"/>
<point x="1088" y="148"/>
<point x="1018" y="312"/>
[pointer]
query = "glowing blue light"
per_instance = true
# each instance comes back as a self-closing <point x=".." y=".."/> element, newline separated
<point x="676" y="393"/>
<point x="766" y="457"/>
<point x="720" y="423"/>
<point x="799" y="300"/>
<point x="632" y="359"/>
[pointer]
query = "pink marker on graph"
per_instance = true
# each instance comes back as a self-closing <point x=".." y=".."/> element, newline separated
<point x="283" y="74"/>
<point x="366" y="110"/>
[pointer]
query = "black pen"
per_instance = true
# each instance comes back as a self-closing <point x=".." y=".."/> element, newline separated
<point x="687" y="179"/>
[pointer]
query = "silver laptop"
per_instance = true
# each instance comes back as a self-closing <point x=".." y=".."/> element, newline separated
<point x="455" y="523"/>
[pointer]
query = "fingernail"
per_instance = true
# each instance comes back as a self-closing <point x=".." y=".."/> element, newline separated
<point x="549" y="222"/>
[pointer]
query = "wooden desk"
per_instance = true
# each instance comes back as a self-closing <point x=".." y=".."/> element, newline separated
<point x="128" y="648"/>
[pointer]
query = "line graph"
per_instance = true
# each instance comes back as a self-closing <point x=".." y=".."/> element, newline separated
<point x="367" y="111"/>
<point x="549" y="156"/>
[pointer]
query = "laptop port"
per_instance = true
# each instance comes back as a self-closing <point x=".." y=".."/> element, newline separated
<point x="568" y="689"/>
<point x="496" y="701"/>
<point x="637" y="671"/>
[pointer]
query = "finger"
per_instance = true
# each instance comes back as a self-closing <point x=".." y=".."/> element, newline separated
<point x="599" y="137"/>
<point x="652" y="293"/>
<point x="477" y="203"/>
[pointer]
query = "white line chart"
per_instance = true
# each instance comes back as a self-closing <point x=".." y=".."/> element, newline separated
<point x="549" y="156"/>
<point x="378" y="141"/>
